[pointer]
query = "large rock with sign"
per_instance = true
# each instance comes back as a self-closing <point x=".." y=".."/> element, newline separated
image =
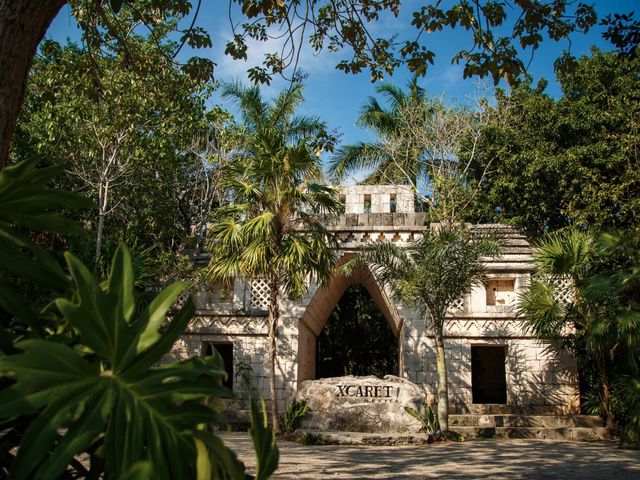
<point x="361" y="404"/>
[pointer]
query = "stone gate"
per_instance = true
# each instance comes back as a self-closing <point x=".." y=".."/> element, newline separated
<point x="494" y="364"/>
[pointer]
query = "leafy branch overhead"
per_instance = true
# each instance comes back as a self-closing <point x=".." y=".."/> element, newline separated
<point x="500" y="33"/>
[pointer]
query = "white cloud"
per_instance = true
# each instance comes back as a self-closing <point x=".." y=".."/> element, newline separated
<point x="309" y="62"/>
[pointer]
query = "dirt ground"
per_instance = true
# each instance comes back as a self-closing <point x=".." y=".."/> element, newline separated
<point x="473" y="459"/>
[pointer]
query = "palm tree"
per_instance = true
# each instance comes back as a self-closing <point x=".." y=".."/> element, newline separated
<point x="554" y="301"/>
<point x="589" y="282"/>
<point x="271" y="228"/>
<point x="430" y="274"/>
<point x="387" y="125"/>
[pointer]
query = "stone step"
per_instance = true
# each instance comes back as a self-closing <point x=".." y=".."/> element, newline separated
<point x="368" y="438"/>
<point x="509" y="421"/>
<point x="540" y="433"/>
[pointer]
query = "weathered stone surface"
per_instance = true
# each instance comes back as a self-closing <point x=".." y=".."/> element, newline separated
<point x="539" y="380"/>
<point x="361" y="404"/>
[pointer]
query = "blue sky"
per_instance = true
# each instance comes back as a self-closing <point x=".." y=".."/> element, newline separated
<point x="337" y="97"/>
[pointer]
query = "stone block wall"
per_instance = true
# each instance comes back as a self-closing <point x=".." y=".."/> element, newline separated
<point x="540" y="378"/>
<point x="249" y="337"/>
<point x="379" y="197"/>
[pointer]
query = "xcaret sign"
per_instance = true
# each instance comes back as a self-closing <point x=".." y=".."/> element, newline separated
<point x="369" y="393"/>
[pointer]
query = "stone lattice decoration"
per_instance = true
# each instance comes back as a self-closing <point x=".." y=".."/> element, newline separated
<point x="563" y="290"/>
<point x="458" y="305"/>
<point x="361" y="404"/>
<point x="259" y="294"/>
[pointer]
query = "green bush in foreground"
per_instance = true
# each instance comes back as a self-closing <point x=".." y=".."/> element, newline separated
<point x="92" y="401"/>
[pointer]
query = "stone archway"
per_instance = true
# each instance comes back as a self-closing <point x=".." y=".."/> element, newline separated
<point x="322" y="304"/>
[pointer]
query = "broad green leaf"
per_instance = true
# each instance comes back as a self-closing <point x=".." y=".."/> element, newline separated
<point x="157" y="314"/>
<point x="264" y="441"/>
<point x="42" y="373"/>
<point x="15" y="305"/>
<point x="143" y="419"/>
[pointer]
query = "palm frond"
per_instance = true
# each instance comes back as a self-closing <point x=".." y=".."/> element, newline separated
<point x="248" y="99"/>
<point x="352" y="158"/>
<point x="567" y="252"/>
<point x="302" y="127"/>
<point x="393" y="93"/>
<point x="539" y="306"/>
<point x="261" y="227"/>
<point x="284" y="106"/>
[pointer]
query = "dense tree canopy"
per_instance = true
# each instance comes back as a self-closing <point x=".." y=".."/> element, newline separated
<point x="498" y="39"/>
<point x="126" y="135"/>
<point x="596" y="315"/>
<point x="568" y="161"/>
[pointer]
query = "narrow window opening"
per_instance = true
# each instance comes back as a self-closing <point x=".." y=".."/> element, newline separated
<point x="488" y="378"/>
<point x="500" y="292"/>
<point x="226" y="352"/>
<point x="223" y="290"/>
<point x="367" y="204"/>
<point x="392" y="203"/>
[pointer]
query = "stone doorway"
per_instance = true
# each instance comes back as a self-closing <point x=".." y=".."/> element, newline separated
<point x="488" y="380"/>
<point x="320" y="306"/>
<point x="357" y="339"/>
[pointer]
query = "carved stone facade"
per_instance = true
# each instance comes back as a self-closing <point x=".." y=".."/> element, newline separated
<point x="536" y="376"/>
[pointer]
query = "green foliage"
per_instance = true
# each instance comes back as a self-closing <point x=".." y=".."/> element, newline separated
<point x="388" y="126"/>
<point x="498" y="38"/>
<point x="597" y="316"/>
<point x="26" y="202"/>
<point x="571" y="161"/>
<point x="296" y="410"/>
<point x="90" y="384"/>
<point x="270" y="228"/>
<point x="125" y="134"/>
<point x="108" y="29"/>
<point x="421" y="143"/>
<point x="429" y="420"/>
<point x="264" y="442"/>
<point x="106" y="391"/>
<point x="357" y="339"/>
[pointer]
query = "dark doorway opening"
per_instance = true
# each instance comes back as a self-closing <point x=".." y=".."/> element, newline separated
<point x="357" y="339"/>
<point x="488" y="379"/>
<point x="226" y="352"/>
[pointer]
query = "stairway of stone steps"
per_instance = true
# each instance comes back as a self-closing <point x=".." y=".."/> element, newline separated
<point x="550" y="427"/>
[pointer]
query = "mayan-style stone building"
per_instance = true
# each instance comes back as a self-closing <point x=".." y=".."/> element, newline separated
<point x="495" y="365"/>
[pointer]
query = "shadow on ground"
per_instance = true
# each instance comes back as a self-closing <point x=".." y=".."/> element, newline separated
<point x="474" y="459"/>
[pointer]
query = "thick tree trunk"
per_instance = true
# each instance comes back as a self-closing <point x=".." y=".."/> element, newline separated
<point x="274" y="314"/>
<point x="605" y="391"/>
<point x="443" y="389"/>
<point x="23" y="24"/>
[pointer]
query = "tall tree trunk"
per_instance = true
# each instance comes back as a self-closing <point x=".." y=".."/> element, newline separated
<point x="103" y="202"/>
<point x="274" y="314"/>
<point x="23" y="24"/>
<point x="605" y="391"/>
<point x="99" y="237"/>
<point x="443" y="388"/>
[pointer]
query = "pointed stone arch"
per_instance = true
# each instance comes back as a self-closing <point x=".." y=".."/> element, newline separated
<point x="322" y="303"/>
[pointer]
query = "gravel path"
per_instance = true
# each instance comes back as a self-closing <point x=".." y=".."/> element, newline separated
<point x="473" y="459"/>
